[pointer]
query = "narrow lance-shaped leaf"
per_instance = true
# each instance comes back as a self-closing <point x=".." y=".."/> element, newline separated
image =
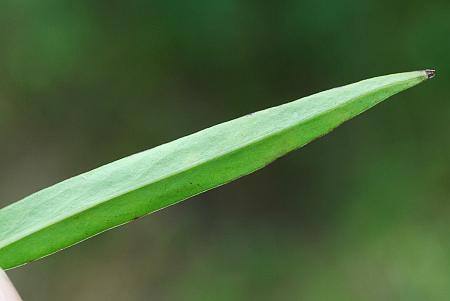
<point x="114" y="194"/>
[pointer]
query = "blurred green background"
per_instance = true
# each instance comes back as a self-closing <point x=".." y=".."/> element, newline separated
<point x="361" y="214"/>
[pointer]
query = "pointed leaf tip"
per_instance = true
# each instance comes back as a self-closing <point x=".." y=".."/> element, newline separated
<point x="430" y="73"/>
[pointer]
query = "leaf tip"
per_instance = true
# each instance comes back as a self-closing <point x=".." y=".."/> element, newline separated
<point x="430" y="73"/>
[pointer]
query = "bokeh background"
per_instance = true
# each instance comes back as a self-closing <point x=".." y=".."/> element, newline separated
<point x="361" y="214"/>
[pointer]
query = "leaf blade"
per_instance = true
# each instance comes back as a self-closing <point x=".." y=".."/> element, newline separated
<point x="93" y="202"/>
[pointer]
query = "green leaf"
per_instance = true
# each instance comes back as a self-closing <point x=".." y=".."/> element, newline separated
<point x="83" y="206"/>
